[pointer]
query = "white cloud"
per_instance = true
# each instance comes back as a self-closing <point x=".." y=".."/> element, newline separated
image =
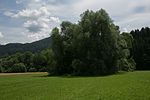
<point x="8" y="13"/>
<point x="33" y="13"/>
<point x="38" y="22"/>
<point x="40" y="16"/>
<point x="14" y="35"/>
<point x="1" y="35"/>
<point x="128" y="14"/>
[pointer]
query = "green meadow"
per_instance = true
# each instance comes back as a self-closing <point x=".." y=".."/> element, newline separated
<point x="123" y="86"/>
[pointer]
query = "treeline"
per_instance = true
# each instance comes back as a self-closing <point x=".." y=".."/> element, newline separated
<point x="141" y="48"/>
<point x="26" y="62"/>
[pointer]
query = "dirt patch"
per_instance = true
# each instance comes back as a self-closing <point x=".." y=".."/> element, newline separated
<point x="10" y="74"/>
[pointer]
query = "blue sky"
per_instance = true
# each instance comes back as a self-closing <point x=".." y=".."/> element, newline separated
<point x="30" y="20"/>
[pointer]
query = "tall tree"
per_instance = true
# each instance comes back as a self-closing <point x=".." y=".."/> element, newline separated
<point x="91" y="47"/>
<point x="126" y="61"/>
<point x="141" y="48"/>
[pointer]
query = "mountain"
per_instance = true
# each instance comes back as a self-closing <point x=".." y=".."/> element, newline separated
<point x="13" y="48"/>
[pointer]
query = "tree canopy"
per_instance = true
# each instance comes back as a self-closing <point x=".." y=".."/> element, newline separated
<point x="94" y="46"/>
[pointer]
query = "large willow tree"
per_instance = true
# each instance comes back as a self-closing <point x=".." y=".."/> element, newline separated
<point x="91" y="47"/>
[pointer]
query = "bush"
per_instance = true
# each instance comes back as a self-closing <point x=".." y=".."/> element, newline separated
<point x="17" y="68"/>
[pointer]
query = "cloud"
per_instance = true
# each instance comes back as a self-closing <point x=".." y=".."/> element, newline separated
<point x="33" y="13"/>
<point x="123" y="12"/>
<point x="38" y="22"/>
<point x="36" y="18"/>
<point x="14" y="35"/>
<point x="8" y="13"/>
<point x="1" y="35"/>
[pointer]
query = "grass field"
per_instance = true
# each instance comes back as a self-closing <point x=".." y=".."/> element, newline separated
<point x="127" y="86"/>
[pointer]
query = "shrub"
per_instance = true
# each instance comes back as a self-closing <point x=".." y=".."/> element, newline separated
<point x="19" y="67"/>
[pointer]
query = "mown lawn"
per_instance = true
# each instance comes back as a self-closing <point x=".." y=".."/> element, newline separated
<point x="127" y="86"/>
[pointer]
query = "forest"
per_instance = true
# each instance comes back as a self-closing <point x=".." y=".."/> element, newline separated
<point x="93" y="46"/>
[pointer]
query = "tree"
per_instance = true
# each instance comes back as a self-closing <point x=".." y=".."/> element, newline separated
<point x="27" y="59"/>
<point x="60" y="49"/>
<point x="91" y="47"/>
<point x="99" y="40"/>
<point x="141" y="48"/>
<point x="39" y="61"/>
<point x="126" y="61"/>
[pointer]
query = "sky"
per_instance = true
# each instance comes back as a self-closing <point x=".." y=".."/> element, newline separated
<point x="25" y="21"/>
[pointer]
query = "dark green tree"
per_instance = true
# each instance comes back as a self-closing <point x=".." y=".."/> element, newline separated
<point x="141" y="48"/>
<point x="126" y="61"/>
<point x="27" y="59"/>
<point x="39" y="62"/>
<point x="91" y="47"/>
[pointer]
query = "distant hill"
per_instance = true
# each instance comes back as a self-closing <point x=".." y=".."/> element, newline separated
<point x="13" y="48"/>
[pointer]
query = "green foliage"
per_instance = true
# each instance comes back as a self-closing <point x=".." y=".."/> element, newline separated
<point x="39" y="61"/>
<point x="1" y="69"/>
<point x="51" y="63"/>
<point x="52" y="69"/>
<point x="91" y="47"/>
<point x="17" y="68"/>
<point x="33" y="62"/>
<point x="26" y="58"/>
<point x="78" y="67"/>
<point x="141" y="48"/>
<point x="126" y="61"/>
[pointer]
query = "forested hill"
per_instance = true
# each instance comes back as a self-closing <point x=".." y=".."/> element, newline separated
<point x="13" y="48"/>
